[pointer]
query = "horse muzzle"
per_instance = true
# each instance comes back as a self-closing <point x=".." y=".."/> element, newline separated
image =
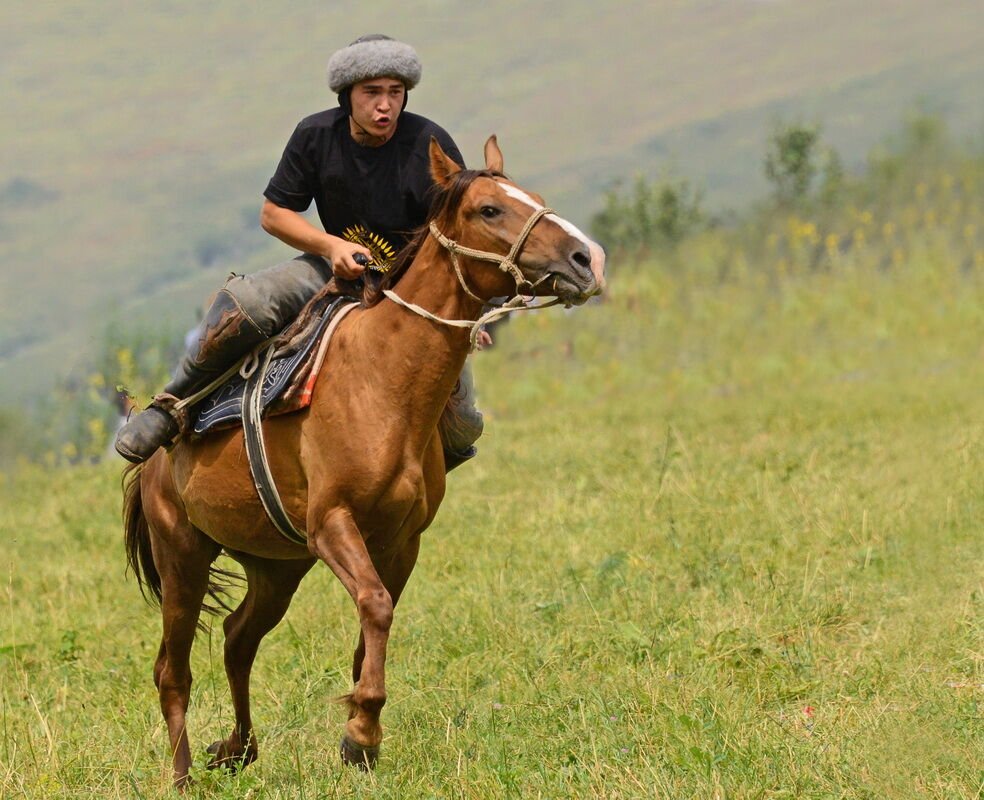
<point x="580" y="278"/>
<point x="568" y="289"/>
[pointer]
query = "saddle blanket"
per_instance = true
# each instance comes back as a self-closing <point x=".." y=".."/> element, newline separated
<point x="288" y="385"/>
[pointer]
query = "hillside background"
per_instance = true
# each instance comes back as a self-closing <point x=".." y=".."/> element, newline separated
<point x="136" y="141"/>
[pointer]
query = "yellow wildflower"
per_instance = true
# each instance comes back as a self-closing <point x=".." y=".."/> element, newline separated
<point x="97" y="431"/>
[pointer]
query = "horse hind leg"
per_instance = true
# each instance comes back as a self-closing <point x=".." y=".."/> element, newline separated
<point x="182" y="555"/>
<point x="159" y="663"/>
<point x="270" y="588"/>
<point x="184" y="585"/>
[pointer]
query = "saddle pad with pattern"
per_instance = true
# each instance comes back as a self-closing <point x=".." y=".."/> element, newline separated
<point x="223" y="407"/>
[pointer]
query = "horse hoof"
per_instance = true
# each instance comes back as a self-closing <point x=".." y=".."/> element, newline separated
<point x="221" y="758"/>
<point x="355" y="755"/>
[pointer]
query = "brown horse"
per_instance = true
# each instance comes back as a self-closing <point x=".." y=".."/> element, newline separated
<point x="361" y="470"/>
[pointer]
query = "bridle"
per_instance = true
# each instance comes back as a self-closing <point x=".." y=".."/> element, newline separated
<point x="507" y="263"/>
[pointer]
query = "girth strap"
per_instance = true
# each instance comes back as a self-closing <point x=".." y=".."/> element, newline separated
<point x="256" y="453"/>
<point x="259" y="466"/>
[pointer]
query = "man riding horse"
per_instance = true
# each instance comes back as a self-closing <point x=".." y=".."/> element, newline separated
<point x="366" y="165"/>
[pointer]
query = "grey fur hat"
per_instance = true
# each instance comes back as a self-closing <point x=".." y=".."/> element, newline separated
<point x="373" y="56"/>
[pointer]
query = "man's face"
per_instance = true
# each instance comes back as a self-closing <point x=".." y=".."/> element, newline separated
<point x="376" y="104"/>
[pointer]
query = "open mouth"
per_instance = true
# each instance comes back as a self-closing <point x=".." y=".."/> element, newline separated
<point x="568" y="290"/>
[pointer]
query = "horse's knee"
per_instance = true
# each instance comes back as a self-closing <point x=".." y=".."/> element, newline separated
<point x="376" y="608"/>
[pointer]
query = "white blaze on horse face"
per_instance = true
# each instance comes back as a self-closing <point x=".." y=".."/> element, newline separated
<point x="597" y="254"/>
<point x="518" y="194"/>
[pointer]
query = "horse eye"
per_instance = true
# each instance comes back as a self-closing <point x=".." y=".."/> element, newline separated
<point x="490" y="212"/>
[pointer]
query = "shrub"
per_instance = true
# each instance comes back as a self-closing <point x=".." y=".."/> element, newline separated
<point x="649" y="217"/>
<point x="791" y="161"/>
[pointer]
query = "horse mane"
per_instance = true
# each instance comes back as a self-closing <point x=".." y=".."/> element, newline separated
<point x="445" y="202"/>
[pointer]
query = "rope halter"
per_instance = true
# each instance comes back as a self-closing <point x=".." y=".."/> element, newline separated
<point x="507" y="263"/>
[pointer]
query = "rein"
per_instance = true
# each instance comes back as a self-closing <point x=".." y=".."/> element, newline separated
<point x="507" y="263"/>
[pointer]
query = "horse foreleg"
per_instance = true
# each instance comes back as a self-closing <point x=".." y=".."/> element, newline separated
<point x="394" y="575"/>
<point x="338" y="542"/>
<point x="271" y="586"/>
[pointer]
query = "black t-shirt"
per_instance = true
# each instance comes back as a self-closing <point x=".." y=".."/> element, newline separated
<point x="375" y="196"/>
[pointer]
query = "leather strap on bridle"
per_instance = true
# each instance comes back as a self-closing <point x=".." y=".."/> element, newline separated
<point x="507" y="263"/>
<point x="518" y="303"/>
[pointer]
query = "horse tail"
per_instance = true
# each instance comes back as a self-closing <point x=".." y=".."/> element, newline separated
<point x="139" y="556"/>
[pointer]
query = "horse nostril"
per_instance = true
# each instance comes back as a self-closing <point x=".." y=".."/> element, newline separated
<point x="581" y="258"/>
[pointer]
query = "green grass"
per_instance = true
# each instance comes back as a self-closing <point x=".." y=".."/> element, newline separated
<point x="156" y="129"/>
<point x="723" y="540"/>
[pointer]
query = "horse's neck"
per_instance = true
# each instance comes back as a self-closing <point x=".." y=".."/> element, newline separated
<point x="431" y="283"/>
<point x="415" y="360"/>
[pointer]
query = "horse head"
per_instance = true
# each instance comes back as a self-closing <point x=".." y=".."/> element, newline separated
<point x="492" y="219"/>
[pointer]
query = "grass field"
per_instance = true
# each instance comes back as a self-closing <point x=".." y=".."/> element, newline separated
<point x="723" y="540"/>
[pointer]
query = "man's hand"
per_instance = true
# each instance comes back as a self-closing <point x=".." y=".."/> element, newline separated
<point x="484" y="339"/>
<point x="342" y="256"/>
<point x="292" y="229"/>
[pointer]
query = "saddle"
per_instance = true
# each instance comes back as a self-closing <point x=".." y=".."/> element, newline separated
<point x="289" y="378"/>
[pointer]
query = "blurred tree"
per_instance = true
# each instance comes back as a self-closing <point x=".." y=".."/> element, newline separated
<point x="650" y="216"/>
<point x="791" y="161"/>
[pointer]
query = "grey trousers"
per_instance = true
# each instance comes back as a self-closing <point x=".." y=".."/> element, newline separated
<point x="274" y="296"/>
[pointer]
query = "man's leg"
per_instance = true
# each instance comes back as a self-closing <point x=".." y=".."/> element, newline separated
<point x="245" y="312"/>
<point x="461" y="423"/>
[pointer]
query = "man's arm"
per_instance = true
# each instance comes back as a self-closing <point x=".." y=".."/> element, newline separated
<point x="292" y="229"/>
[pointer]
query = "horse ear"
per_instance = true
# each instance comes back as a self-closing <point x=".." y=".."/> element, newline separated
<point x="493" y="155"/>
<point x="442" y="165"/>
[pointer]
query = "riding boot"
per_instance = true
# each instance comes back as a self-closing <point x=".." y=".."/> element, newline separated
<point x="226" y="334"/>
<point x="461" y="422"/>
